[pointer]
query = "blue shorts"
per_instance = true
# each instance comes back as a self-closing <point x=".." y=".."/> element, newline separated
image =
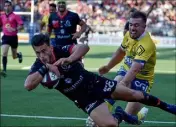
<point x="136" y="84"/>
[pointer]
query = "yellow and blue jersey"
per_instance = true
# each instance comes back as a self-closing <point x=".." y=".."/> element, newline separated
<point x="142" y="50"/>
<point x="45" y="20"/>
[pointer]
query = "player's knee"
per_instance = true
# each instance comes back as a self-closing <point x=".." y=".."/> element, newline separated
<point x="4" y="53"/>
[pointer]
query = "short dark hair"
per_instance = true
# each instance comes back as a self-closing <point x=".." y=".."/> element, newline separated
<point x="52" y="5"/>
<point x="40" y="39"/>
<point x="139" y="14"/>
<point x="8" y="1"/>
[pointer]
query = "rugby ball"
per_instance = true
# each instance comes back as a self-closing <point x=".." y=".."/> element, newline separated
<point x="50" y="80"/>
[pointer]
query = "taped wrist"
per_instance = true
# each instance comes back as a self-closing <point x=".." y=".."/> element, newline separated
<point x="43" y="70"/>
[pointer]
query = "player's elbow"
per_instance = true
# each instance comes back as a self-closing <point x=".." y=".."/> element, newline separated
<point x="28" y="85"/>
<point x="83" y="48"/>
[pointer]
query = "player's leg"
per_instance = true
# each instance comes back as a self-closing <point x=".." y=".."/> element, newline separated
<point x="133" y="107"/>
<point x="120" y="74"/>
<point x="102" y="117"/>
<point x="14" y="46"/>
<point x="5" y="49"/>
<point x="123" y="93"/>
<point x="128" y="118"/>
<point x="119" y="115"/>
<point x="141" y="85"/>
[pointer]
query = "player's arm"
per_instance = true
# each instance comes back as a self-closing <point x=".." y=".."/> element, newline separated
<point x="83" y="26"/>
<point x="20" y="27"/>
<point x="131" y="74"/>
<point x="76" y="52"/>
<point x="116" y="58"/>
<point x="89" y="29"/>
<point x="19" y="22"/>
<point x="35" y="77"/>
<point x="32" y="81"/>
<point x="151" y="8"/>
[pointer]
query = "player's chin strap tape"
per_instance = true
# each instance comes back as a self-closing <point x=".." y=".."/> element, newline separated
<point x="43" y="70"/>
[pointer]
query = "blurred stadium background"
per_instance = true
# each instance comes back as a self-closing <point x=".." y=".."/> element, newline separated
<point x="107" y="18"/>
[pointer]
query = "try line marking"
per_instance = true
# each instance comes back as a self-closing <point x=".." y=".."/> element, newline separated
<point x="72" y="118"/>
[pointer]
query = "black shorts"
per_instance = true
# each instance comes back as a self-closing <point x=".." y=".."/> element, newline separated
<point x="94" y="91"/>
<point x="10" y="40"/>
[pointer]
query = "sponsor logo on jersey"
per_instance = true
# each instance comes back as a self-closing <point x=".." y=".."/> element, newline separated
<point x="67" y="23"/>
<point x="75" y="85"/>
<point x="68" y="80"/>
<point x="90" y="106"/>
<point x="140" y="50"/>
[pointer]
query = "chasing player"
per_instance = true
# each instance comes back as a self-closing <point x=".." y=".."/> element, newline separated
<point x="139" y="53"/>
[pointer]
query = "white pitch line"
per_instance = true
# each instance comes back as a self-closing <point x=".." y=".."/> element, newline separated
<point x="72" y="118"/>
<point x="43" y="117"/>
<point x="160" y="122"/>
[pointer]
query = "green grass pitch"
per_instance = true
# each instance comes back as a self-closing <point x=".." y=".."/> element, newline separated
<point x="15" y="100"/>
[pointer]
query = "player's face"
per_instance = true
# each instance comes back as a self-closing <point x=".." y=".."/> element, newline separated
<point x="52" y="9"/>
<point x="8" y="7"/>
<point x="44" y="53"/>
<point x="136" y="27"/>
<point x="61" y="6"/>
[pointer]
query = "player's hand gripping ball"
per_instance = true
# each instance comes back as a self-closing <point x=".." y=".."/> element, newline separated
<point x="50" y="80"/>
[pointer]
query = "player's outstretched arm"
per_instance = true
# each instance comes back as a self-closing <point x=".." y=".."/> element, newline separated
<point x="77" y="52"/>
<point x="33" y="80"/>
<point x="116" y="58"/>
<point x="82" y="30"/>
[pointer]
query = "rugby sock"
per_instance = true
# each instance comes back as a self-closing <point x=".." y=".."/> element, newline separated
<point x="4" y="62"/>
<point x="120" y="115"/>
<point x="110" y="103"/>
<point x="156" y="102"/>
